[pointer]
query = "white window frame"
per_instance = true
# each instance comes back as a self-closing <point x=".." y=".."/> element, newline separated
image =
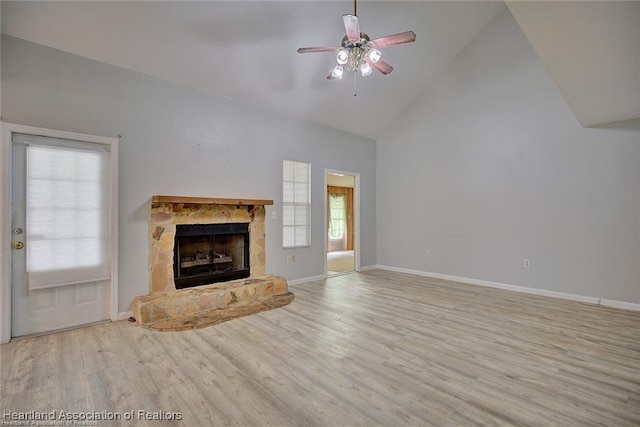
<point x="6" y="132"/>
<point x="294" y="204"/>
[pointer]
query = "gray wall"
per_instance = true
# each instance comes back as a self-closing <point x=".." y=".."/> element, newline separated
<point x="177" y="141"/>
<point x="489" y="167"/>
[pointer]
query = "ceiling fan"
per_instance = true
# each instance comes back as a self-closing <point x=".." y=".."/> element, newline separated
<point x="358" y="52"/>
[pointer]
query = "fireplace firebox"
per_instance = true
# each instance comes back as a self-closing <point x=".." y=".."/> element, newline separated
<point x="210" y="253"/>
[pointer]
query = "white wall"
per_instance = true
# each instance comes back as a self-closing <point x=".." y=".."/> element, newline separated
<point x="489" y="167"/>
<point x="176" y="141"/>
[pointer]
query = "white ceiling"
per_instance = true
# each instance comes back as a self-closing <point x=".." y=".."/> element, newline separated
<point x="247" y="50"/>
<point x="341" y="180"/>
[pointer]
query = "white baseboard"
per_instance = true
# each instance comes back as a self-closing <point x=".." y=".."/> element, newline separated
<point x="593" y="300"/>
<point x="620" y="304"/>
<point x="306" y="280"/>
<point x="124" y="315"/>
<point x="324" y="276"/>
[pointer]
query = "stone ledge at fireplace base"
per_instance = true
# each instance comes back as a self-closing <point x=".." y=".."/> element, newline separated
<point x="208" y="305"/>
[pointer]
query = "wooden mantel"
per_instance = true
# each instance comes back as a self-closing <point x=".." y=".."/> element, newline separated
<point x="210" y="201"/>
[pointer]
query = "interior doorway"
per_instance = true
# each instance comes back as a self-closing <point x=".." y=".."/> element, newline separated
<point x="341" y="224"/>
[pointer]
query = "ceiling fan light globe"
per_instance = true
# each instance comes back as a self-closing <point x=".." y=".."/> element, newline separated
<point x="375" y="55"/>
<point x="342" y="57"/>
<point x="365" y="69"/>
<point x="337" y="72"/>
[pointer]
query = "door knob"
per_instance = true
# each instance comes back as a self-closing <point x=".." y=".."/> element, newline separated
<point x="18" y="245"/>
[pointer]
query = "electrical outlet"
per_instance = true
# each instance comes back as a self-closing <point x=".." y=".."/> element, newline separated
<point x="527" y="263"/>
<point x="428" y="254"/>
<point x="274" y="215"/>
<point x="288" y="258"/>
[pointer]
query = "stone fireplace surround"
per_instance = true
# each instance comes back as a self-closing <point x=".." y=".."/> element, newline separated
<point x="166" y="308"/>
<point x="169" y="211"/>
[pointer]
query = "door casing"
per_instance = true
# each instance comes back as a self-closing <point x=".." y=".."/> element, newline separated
<point x="7" y="130"/>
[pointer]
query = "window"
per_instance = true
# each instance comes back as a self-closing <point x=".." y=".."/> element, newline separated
<point x="337" y="215"/>
<point x="296" y="203"/>
<point x="67" y="213"/>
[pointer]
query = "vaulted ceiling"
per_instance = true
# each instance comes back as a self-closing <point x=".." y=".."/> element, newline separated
<point x="246" y="50"/>
<point x="591" y="50"/>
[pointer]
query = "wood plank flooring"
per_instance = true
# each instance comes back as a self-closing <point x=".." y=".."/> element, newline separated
<point x="339" y="262"/>
<point x="374" y="348"/>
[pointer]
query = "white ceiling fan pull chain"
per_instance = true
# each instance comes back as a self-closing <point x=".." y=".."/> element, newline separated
<point x="355" y="83"/>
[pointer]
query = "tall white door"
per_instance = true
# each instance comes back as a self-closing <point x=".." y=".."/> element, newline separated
<point x="59" y="261"/>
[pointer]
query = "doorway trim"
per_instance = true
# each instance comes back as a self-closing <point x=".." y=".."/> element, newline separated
<point x="7" y="131"/>
<point x="356" y="217"/>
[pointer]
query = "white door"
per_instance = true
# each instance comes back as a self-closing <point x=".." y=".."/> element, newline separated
<point x="60" y="262"/>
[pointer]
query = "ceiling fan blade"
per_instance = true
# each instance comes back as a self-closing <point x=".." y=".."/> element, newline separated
<point x="381" y="66"/>
<point x="316" y="49"/>
<point x="400" y="38"/>
<point x="352" y="26"/>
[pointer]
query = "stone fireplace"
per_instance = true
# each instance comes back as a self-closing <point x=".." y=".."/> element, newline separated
<point x="207" y="263"/>
<point x="170" y="213"/>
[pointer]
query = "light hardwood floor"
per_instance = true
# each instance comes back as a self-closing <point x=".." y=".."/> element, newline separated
<point x="374" y="348"/>
<point x="339" y="262"/>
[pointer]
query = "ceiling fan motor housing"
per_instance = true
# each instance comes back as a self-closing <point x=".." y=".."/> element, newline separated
<point x="364" y="40"/>
<point x="357" y="50"/>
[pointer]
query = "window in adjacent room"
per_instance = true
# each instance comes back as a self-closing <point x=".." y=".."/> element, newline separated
<point x="337" y="215"/>
<point x="296" y="203"/>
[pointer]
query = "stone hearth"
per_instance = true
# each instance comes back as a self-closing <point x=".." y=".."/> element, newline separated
<point x="208" y="305"/>
<point x="168" y="309"/>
